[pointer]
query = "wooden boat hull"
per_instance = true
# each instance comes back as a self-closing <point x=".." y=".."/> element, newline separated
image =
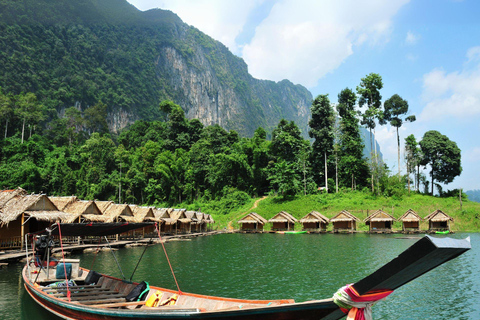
<point x="420" y="258"/>
<point x="321" y="309"/>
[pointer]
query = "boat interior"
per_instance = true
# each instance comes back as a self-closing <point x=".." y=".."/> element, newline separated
<point x="102" y="291"/>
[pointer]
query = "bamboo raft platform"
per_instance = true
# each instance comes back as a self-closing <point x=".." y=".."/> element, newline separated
<point x="17" y="256"/>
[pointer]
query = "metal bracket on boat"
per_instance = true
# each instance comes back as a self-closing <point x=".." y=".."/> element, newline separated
<point x="115" y="257"/>
<point x="135" y="270"/>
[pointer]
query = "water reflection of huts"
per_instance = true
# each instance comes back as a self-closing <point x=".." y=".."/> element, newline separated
<point x="21" y="213"/>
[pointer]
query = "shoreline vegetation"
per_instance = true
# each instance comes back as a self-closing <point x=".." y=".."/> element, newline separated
<point x="466" y="215"/>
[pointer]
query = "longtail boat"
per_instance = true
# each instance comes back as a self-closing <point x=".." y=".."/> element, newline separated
<point x="105" y="297"/>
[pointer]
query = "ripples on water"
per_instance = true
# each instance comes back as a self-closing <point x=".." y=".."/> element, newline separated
<point x="275" y="266"/>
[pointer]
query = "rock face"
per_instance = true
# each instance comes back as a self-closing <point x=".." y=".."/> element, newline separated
<point x="214" y="86"/>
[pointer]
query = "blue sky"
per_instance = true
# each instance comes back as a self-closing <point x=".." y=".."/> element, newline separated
<point x="427" y="51"/>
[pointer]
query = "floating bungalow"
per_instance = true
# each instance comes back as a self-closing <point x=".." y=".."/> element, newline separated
<point x="252" y="222"/>
<point x="201" y="225"/>
<point x="62" y="202"/>
<point x="344" y="221"/>
<point x="410" y="222"/>
<point x="315" y="222"/>
<point x="103" y="205"/>
<point x="119" y="212"/>
<point x="142" y="214"/>
<point x="21" y="213"/>
<point x="166" y="222"/>
<point x="380" y="222"/>
<point x="193" y="220"/>
<point x="283" y="221"/>
<point x="76" y="209"/>
<point x="438" y="221"/>
<point x="208" y="220"/>
<point x="182" y="223"/>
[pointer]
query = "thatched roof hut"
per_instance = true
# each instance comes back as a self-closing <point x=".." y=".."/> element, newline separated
<point x="142" y="214"/>
<point x="36" y="206"/>
<point x="315" y="221"/>
<point x="21" y="214"/>
<point x="162" y="215"/>
<point x="380" y="221"/>
<point x="182" y="222"/>
<point x="103" y="205"/>
<point x="410" y="221"/>
<point x="344" y="221"/>
<point x="208" y="218"/>
<point x="117" y="212"/>
<point x="62" y="202"/>
<point x="283" y="221"/>
<point x="192" y="216"/>
<point x="7" y="195"/>
<point x="438" y="221"/>
<point x="80" y="210"/>
<point x="201" y="222"/>
<point x="252" y="222"/>
<point x="200" y="217"/>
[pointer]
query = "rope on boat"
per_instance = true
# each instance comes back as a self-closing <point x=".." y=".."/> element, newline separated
<point x="358" y="307"/>
<point x="64" y="264"/>
<point x="166" y="255"/>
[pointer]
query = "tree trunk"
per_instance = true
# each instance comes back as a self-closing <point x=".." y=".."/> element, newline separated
<point x="376" y="160"/>
<point x="460" y="196"/>
<point x="304" y="178"/>
<point x="23" y="129"/>
<point x="6" y="128"/>
<point x="326" y="174"/>
<point x="120" y="186"/>
<point x="418" y="178"/>
<point x="336" y="173"/>
<point x="408" y="181"/>
<point x="371" y="157"/>
<point x="432" y="180"/>
<point x="398" y="144"/>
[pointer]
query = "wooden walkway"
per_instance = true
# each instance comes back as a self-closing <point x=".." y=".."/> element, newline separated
<point x="19" y="255"/>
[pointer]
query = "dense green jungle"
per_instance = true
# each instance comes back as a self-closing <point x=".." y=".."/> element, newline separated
<point x="181" y="163"/>
<point x="86" y="110"/>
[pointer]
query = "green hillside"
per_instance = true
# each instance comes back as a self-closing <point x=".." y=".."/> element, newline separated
<point x="85" y="52"/>
<point x="359" y="203"/>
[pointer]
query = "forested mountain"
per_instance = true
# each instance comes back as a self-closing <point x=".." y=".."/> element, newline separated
<point x="87" y="52"/>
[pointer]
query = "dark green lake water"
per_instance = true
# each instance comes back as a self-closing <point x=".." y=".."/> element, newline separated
<point x="274" y="266"/>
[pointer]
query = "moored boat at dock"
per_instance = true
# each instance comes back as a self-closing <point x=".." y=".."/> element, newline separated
<point x="106" y="297"/>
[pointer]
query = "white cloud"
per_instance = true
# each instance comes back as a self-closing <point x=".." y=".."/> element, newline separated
<point x="411" y="38"/>
<point x="455" y="94"/>
<point x="304" y="40"/>
<point x="300" y="40"/>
